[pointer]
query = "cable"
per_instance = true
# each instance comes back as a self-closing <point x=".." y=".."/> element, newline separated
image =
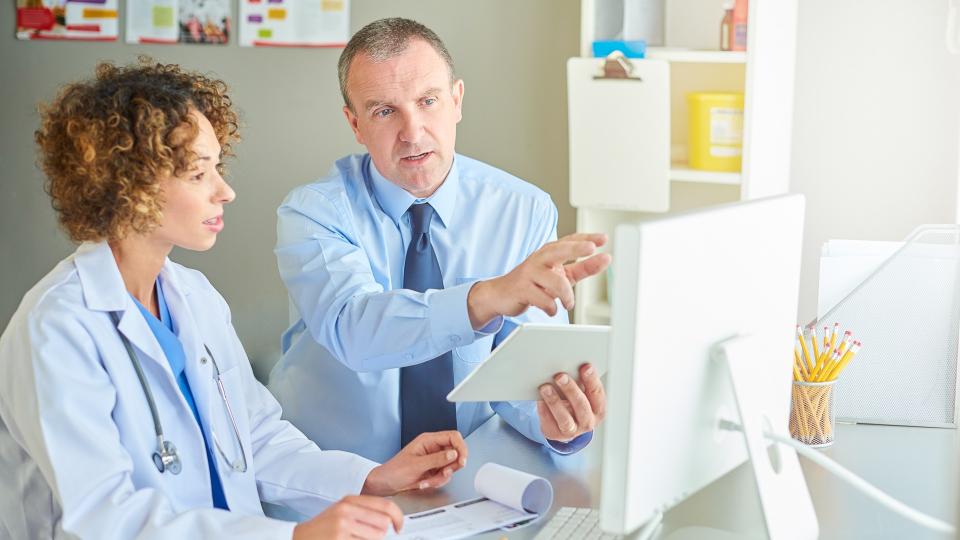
<point x="866" y="487"/>
<point x="650" y="527"/>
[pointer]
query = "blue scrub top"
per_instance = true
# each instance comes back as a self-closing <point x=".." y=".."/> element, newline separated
<point x="164" y="331"/>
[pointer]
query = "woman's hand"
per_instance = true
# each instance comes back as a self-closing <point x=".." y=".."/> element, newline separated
<point x="427" y="462"/>
<point x="356" y="516"/>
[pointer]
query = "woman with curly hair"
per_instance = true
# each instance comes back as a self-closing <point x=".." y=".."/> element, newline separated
<point x="128" y="407"/>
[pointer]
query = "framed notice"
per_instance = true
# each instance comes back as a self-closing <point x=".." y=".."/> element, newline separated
<point x="294" y="23"/>
<point x="77" y="20"/>
<point x="178" y="21"/>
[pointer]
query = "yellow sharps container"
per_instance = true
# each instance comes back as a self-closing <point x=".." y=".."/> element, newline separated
<point x="716" y="130"/>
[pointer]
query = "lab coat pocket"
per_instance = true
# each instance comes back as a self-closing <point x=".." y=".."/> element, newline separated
<point x="230" y="425"/>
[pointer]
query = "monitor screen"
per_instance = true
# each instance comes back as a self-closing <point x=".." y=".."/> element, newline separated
<point x="681" y="285"/>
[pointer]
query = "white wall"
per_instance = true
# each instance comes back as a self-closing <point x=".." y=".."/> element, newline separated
<point x="876" y="123"/>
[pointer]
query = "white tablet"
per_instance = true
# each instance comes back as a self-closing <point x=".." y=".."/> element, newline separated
<point x="529" y="357"/>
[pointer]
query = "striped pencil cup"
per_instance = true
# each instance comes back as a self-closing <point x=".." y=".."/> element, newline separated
<point x="812" y="415"/>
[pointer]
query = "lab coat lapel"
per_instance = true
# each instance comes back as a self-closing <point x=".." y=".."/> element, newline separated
<point x="200" y="375"/>
<point x="103" y="290"/>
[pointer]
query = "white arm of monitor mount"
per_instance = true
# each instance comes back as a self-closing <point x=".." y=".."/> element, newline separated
<point x="787" y="508"/>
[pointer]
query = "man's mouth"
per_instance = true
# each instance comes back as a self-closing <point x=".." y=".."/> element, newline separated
<point x="417" y="158"/>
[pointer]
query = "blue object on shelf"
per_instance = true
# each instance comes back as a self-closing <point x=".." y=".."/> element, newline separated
<point x="630" y="49"/>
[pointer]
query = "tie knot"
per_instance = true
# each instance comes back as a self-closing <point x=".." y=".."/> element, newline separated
<point x="420" y="216"/>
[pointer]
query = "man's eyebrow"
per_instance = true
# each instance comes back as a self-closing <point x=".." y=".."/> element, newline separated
<point x="431" y="91"/>
<point x="372" y="103"/>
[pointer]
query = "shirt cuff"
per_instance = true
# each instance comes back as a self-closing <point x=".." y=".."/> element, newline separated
<point x="571" y="447"/>
<point x="492" y="327"/>
<point x="450" y="321"/>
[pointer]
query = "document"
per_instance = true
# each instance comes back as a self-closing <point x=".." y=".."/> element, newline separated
<point x="294" y="23"/>
<point x="83" y="20"/>
<point x="178" y="21"/>
<point x="508" y="498"/>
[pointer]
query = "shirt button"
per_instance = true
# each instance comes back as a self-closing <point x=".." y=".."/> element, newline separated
<point x="408" y="356"/>
<point x="203" y="360"/>
<point x="455" y="339"/>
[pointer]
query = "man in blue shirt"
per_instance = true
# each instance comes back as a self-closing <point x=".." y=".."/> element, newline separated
<point x="407" y="265"/>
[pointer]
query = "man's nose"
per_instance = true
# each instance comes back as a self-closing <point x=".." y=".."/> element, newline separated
<point x="412" y="129"/>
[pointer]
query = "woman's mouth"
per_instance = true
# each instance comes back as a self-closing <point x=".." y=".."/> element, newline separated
<point x="215" y="224"/>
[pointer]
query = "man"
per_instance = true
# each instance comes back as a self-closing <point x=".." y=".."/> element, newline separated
<point x="408" y="264"/>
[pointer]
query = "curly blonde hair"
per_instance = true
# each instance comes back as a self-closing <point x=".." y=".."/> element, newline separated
<point x="106" y="143"/>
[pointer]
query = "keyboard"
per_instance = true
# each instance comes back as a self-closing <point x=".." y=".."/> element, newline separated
<point x="575" y="524"/>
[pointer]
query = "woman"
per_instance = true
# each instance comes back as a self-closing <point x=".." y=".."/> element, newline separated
<point x="128" y="407"/>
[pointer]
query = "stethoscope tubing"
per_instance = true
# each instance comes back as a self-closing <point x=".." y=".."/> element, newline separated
<point x="166" y="451"/>
<point x="157" y="427"/>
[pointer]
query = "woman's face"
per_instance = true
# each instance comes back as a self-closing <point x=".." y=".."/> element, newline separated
<point x="193" y="201"/>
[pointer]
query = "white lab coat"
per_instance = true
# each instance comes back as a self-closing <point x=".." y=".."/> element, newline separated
<point x="76" y="435"/>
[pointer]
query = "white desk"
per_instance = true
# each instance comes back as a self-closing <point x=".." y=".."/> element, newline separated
<point x="916" y="465"/>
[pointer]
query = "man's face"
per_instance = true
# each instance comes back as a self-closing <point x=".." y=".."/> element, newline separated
<point x="406" y="113"/>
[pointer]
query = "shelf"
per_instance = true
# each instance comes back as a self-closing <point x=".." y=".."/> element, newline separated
<point x="599" y="310"/>
<point x="680" y="172"/>
<point x="696" y="56"/>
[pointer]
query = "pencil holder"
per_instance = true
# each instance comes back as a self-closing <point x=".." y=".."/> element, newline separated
<point x="812" y="413"/>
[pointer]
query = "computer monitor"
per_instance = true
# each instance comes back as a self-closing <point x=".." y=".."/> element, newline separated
<point x="683" y="287"/>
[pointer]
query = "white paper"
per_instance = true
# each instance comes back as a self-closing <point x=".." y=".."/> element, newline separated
<point x="178" y="21"/>
<point x="509" y="497"/>
<point x="294" y="23"/>
<point x="844" y="264"/>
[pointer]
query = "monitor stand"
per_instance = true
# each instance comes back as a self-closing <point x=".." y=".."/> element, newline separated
<point x="787" y="509"/>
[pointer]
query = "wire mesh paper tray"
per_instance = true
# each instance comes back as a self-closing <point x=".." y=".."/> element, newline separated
<point x="907" y="315"/>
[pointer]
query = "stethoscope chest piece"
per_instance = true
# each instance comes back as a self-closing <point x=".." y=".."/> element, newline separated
<point x="167" y="459"/>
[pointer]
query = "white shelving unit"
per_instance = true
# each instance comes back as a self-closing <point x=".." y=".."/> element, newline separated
<point x="680" y="172"/>
<point x="696" y="56"/>
<point x="689" y="61"/>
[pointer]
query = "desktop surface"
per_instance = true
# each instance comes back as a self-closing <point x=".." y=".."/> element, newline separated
<point x="915" y="465"/>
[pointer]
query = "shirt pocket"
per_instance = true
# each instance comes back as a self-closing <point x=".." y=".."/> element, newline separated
<point x="476" y="352"/>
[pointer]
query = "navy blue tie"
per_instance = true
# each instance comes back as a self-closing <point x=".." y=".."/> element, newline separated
<point x="424" y="387"/>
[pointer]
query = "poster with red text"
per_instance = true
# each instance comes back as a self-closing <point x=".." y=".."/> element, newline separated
<point x="75" y="20"/>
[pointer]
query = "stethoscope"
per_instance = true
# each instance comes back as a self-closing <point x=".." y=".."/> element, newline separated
<point x="166" y="458"/>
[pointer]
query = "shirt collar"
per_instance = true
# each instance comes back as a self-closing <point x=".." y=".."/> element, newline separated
<point x="395" y="200"/>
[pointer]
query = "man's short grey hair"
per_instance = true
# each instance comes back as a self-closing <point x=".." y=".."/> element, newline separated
<point x="385" y="39"/>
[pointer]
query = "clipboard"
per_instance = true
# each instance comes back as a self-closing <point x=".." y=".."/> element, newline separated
<point x="530" y="356"/>
<point x="619" y="125"/>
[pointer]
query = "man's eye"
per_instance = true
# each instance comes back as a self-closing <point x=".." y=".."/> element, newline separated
<point x="430" y="101"/>
<point x="197" y="177"/>
<point x="383" y="113"/>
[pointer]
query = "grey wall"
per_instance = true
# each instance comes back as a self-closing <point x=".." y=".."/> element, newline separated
<point x="511" y="55"/>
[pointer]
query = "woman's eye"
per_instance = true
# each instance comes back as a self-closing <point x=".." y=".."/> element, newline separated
<point x="197" y="177"/>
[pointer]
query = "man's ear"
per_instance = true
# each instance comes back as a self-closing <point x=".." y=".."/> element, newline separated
<point x="457" y="92"/>
<point x="352" y="120"/>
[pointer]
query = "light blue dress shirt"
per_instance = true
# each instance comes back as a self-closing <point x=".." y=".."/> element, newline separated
<point x="341" y="243"/>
